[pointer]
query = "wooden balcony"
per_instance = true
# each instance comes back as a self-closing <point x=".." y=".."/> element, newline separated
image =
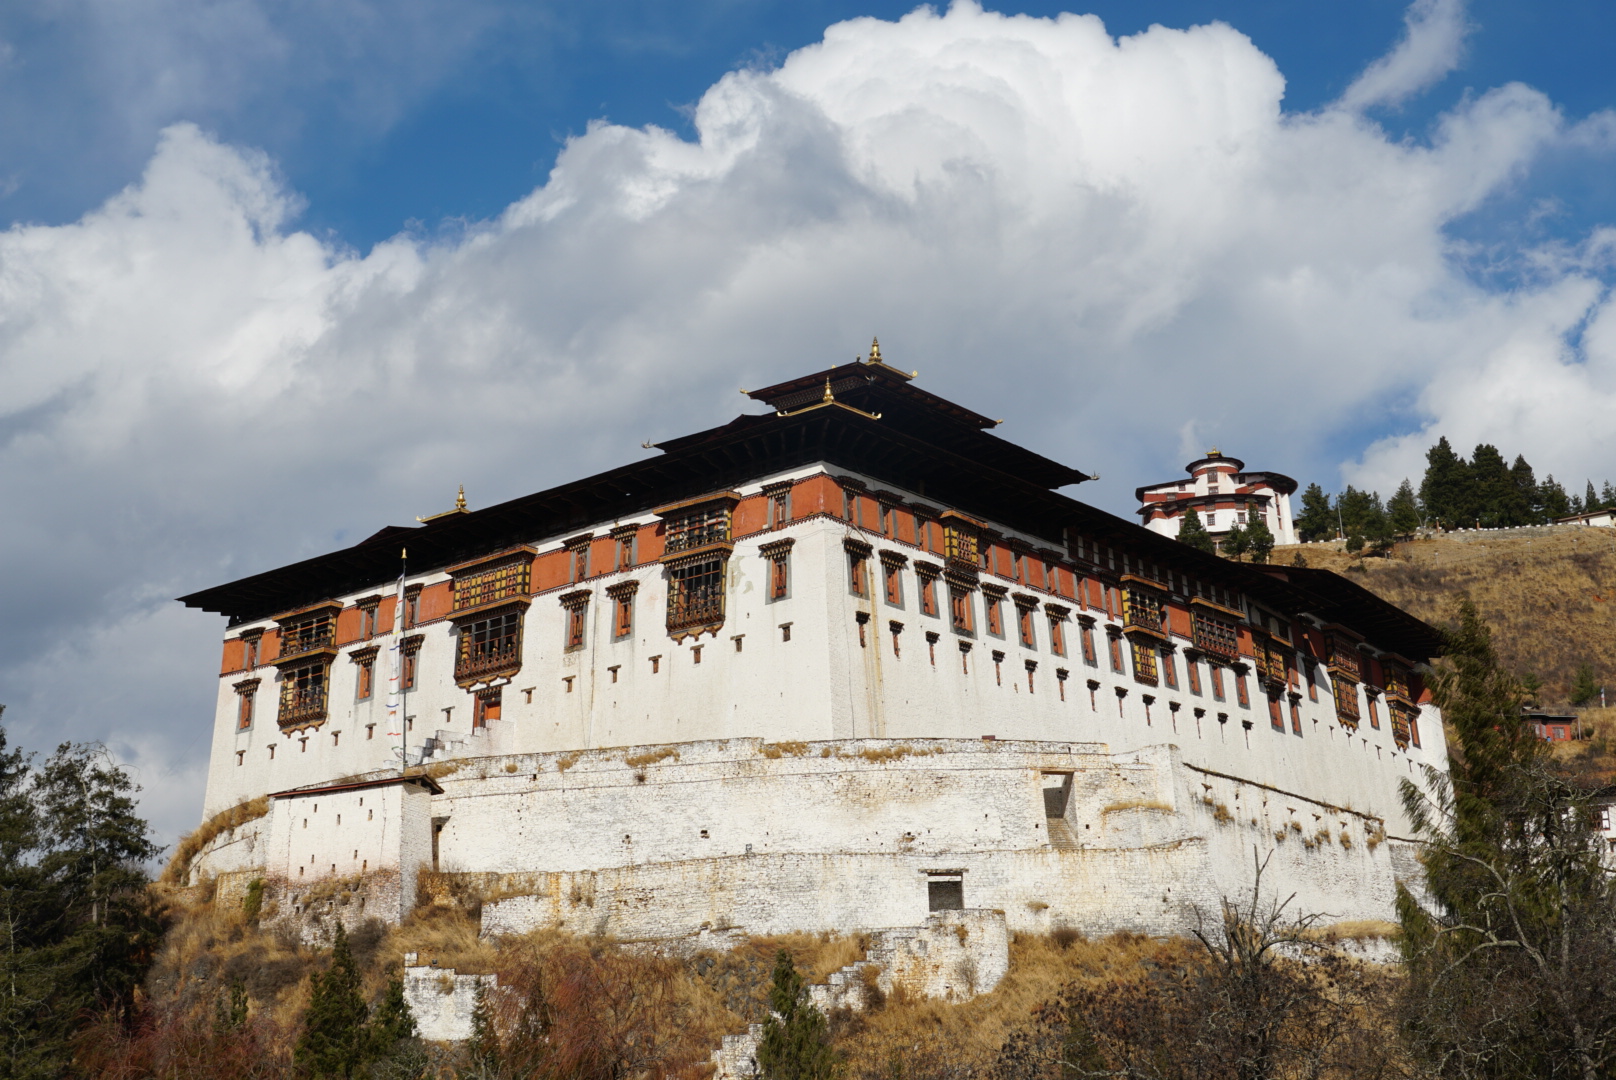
<point x="1215" y="637"/>
<point x="492" y="661"/>
<point x="301" y="707"/>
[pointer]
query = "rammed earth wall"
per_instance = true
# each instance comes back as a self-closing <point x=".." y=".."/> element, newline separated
<point x="662" y="842"/>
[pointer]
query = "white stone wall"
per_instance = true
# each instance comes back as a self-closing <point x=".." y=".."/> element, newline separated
<point x="441" y="1000"/>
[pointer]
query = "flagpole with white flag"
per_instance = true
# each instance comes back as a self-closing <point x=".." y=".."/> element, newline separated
<point x="397" y="721"/>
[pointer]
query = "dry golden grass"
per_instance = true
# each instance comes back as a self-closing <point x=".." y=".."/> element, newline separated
<point x="651" y="757"/>
<point x="1136" y="804"/>
<point x="1549" y="596"/>
<point x="779" y="749"/>
<point x="179" y="866"/>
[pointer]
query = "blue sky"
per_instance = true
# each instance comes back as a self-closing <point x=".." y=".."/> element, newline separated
<point x="475" y="123"/>
<point x="279" y="273"/>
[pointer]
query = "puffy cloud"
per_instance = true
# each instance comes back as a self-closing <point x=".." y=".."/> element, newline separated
<point x="1125" y="247"/>
<point x="1432" y="42"/>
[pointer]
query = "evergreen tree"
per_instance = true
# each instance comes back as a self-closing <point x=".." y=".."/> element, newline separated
<point x="1552" y="500"/>
<point x="1526" y="491"/>
<point x="1590" y="500"/>
<point x="1444" y="490"/>
<point x="1576" y="504"/>
<point x="1193" y="533"/>
<point x="1317" y="519"/>
<point x="1355" y="508"/>
<point x="1355" y="543"/>
<point x="1377" y="528"/>
<point x="392" y="1023"/>
<point x="1583" y="686"/>
<point x="1235" y="543"/>
<point x="1403" y="511"/>
<point x="334" y="1041"/>
<point x="1511" y="971"/>
<point x="1259" y="539"/>
<point x="796" y="1038"/>
<point x="1607" y="495"/>
<point x="1497" y="501"/>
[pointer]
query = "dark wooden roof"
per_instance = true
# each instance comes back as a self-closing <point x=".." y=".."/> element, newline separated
<point x="920" y="443"/>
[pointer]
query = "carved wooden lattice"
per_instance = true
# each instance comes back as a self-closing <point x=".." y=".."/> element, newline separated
<point x="308" y="635"/>
<point x="1216" y="637"/>
<point x="491" y="585"/>
<point x="490" y="647"/>
<point x="1144" y="663"/>
<point x="1346" y="700"/>
<point x="304" y="694"/>
<point x="1142" y="610"/>
<point x="698" y="528"/>
<point x="696" y="594"/>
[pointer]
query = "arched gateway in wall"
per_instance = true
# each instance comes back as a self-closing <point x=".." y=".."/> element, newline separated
<point x="832" y="666"/>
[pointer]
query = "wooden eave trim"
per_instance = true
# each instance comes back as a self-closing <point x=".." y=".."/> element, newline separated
<point x="776" y="548"/>
<point x="332" y="606"/>
<point x="513" y="554"/>
<point x="1217" y="609"/>
<point x="731" y="497"/>
<point x="251" y="635"/>
<point x="1025" y="601"/>
<point x="928" y="569"/>
<point x="578" y="598"/>
<point x="623" y="589"/>
<point x="329" y="652"/>
<point x="962" y="518"/>
<point x="1057" y="611"/>
<point x="420" y="779"/>
<point x="1149" y="583"/>
<point x="478" y="611"/>
<point x="724" y="548"/>
<point x="994" y="591"/>
<point x="625" y="532"/>
<point x="855" y="546"/>
<point x="366" y="655"/>
<point x="246" y="686"/>
<point x="1344" y="631"/>
<point x="893" y="558"/>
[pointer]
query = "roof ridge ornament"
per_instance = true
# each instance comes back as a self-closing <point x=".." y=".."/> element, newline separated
<point x="828" y="399"/>
<point x="459" y="508"/>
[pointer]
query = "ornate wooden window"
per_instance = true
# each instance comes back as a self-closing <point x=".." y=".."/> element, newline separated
<point x="1192" y="670"/>
<point x="1346" y="700"/>
<point x="779" y="496"/>
<point x="251" y="640"/>
<point x="625" y="535"/>
<point x="1144" y="662"/>
<point x="779" y="555"/>
<point x="369" y="610"/>
<point x="578" y="555"/>
<point x="246" y="694"/>
<point x="622" y="596"/>
<point x="926" y="577"/>
<point x="1025" y="608"/>
<point x="1115" y="640"/>
<point x="1086" y="624"/>
<point x="1216" y="637"/>
<point x="1058" y="614"/>
<point x="492" y="584"/>
<point x="1143" y="610"/>
<point x="1397" y="682"/>
<point x="412" y="653"/>
<point x="1169" y="668"/>
<point x="364" y="660"/>
<point x="412" y="606"/>
<point x="1241" y="694"/>
<point x="962" y="538"/>
<point x="892" y="564"/>
<point x="696" y="594"/>
<point x="1405" y="724"/>
<point x="858" y="567"/>
<point x="485" y="707"/>
<point x="959" y="609"/>
<point x="490" y="648"/>
<point x="698" y="527"/>
<point x="1370" y="695"/>
<point x="576" y="605"/>
<point x="304" y="634"/>
<point x="1344" y="658"/>
<point x="993" y="608"/>
<point x="303" y="694"/>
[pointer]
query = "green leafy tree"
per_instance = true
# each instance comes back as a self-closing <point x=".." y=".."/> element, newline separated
<point x="1445" y="488"/>
<point x="335" y="1037"/>
<point x="1317" y="519"/>
<point x="1552" y="499"/>
<point x="1511" y="959"/>
<point x="1583" y="686"/>
<point x="1403" y="510"/>
<point x="1193" y="533"/>
<point x="796" y="1038"/>
<point x="1235" y="543"/>
<point x="1259" y="540"/>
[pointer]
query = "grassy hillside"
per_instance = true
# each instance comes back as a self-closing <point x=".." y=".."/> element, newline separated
<point x="1548" y="593"/>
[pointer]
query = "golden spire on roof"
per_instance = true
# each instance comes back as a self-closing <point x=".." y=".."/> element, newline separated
<point x="829" y="397"/>
<point x="875" y="350"/>
<point x="459" y="507"/>
<point x="1213" y="452"/>
<point x="460" y="499"/>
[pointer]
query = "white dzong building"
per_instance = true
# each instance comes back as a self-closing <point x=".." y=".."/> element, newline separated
<point x="844" y="663"/>
<point x="1225" y="495"/>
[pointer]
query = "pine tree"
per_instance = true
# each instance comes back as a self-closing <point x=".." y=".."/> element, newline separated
<point x="1584" y="688"/>
<point x="334" y="1041"/>
<point x="796" y="1038"/>
<point x="1607" y="495"/>
<point x="1552" y="499"/>
<point x="1496" y="500"/>
<point x="1317" y="519"/>
<point x="1403" y="511"/>
<point x="1527" y="496"/>
<point x="1355" y="508"/>
<point x="392" y="1023"/>
<point x="1590" y="500"/>
<point x="1511" y="968"/>
<point x="1235" y="543"/>
<point x="1193" y="533"/>
<point x="1259" y="540"/>
<point x="1444" y="490"/>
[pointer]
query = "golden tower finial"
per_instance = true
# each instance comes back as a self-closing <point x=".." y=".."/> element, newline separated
<point x="875" y="350"/>
<point x="829" y="397"/>
<point x="460" y="499"/>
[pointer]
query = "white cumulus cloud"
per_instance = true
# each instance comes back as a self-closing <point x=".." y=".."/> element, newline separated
<point x="1123" y="246"/>
<point x="1431" y="47"/>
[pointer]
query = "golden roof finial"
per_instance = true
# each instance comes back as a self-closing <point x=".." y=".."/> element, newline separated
<point x="829" y="397"/>
<point x="875" y="350"/>
<point x="460" y="499"/>
<point x="1213" y="452"/>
